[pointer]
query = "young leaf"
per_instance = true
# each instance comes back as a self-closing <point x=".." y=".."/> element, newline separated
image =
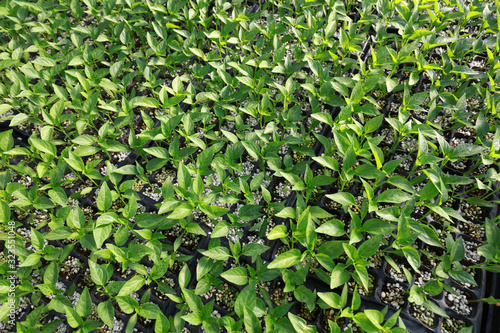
<point x="98" y="274"/>
<point x="74" y="319"/>
<point x="162" y="324"/>
<point x="44" y="146"/>
<point x="104" y="199"/>
<point x="286" y="259"/>
<point x="106" y="313"/>
<point x="184" y="276"/>
<point x="216" y="253"/>
<point x="237" y="275"/>
<point x="394" y="196"/>
<point x="435" y="308"/>
<point x="333" y="228"/>
<point x="84" y="305"/>
<point x="254" y="249"/>
<point x="132" y="285"/>
<point x="279" y="231"/>
<point x="333" y="300"/>
<point x="300" y="325"/>
<point x="250" y="212"/>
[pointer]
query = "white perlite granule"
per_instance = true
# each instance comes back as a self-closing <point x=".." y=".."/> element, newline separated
<point x="393" y="295"/>
<point x="459" y="303"/>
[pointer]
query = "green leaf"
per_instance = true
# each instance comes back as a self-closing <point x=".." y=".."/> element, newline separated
<point x="357" y="93"/>
<point x="377" y="227"/>
<point x="159" y="269"/>
<point x="127" y="304"/>
<point x="43" y="203"/>
<point x="162" y="323"/>
<point x="4" y="108"/>
<point x="181" y="212"/>
<point x="254" y="249"/>
<point x="333" y="228"/>
<point x="287" y="212"/>
<point x="204" y="266"/>
<point x="31" y="260"/>
<point x="4" y="212"/>
<point x="246" y="81"/>
<point x="106" y="313"/>
<point x="101" y="234"/>
<point x="158" y="152"/>
<point x="462" y="276"/>
<point x="6" y="140"/>
<point x="45" y="62"/>
<point x="413" y="257"/>
<point x="370" y="247"/>
<point x="466" y="329"/>
<point x="279" y="231"/>
<point x="131" y="324"/>
<point x="233" y="138"/>
<point x="319" y="212"/>
<point x="84" y="305"/>
<point x="419" y="33"/>
<point x="490" y="300"/>
<point x="237" y="275"/>
<point x="37" y="239"/>
<point x="74" y="319"/>
<point x="44" y="146"/>
<point x="457" y="251"/>
<point x="220" y="230"/>
<point x="333" y="300"/>
<point x="339" y="276"/>
<point x="252" y="323"/>
<point x="104" y="199"/>
<point x="373" y="124"/>
<point x="51" y="274"/>
<point x="300" y="325"/>
<point x="193" y="301"/>
<point x="343" y="198"/>
<point x="365" y="323"/>
<point x="98" y="274"/>
<point x="250" y="212"/>
<point x="116" y="68"/>
<point x="18" y="119"/>
<point x="132" y="285"/>
<point x="286" y="259"/>
<point x="433" y="287"/>
<point x="194" y="228"/>
<point x="195" y="318"/>
<point x="463" y="70"/>
<point x="376" y="317"/>
<point x="391" y="84"/>
<point x="148" y="310"/>
<point x="492" y="232"/>
<point x="402" y="183"/>
<point x="434" y="308"/>
<point x="328" y="162"/>
<point x="216" y="253"/>
<point x="479" y="202"/>
<point x="143" y="101"/>
<point x="149" y="221"/>
<point x="394" y="196"/>
<point x="183" y="177"/>
<point x="426" y="234"/>
<point x="305" y="295"/>
<point x="323" y="117"/>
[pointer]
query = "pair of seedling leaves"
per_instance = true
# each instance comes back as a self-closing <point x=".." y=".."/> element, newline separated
<point x="247" y="306"/>
<point x="120" y="291"/>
